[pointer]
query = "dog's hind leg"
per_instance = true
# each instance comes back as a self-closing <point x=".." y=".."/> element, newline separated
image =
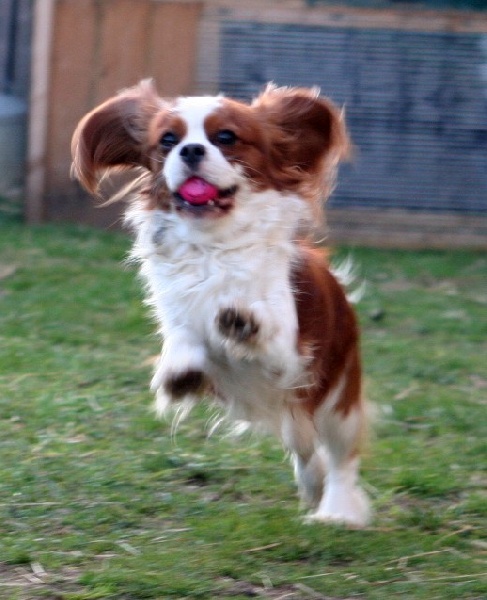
<point x="309" y="460"/>
<point x="340" y="426"/>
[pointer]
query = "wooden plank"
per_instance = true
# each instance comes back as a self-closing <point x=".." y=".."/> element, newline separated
<point x="38" y="114"/>
<point x="292" y="11"/>
<point x="173" y="43"/>
<point x="117" y="43"/>
<point x="122" y="31"/>
<point x="107" y="54"/>
<point x="71" y="92"/>
<point x="406" y="229"/>
<point x="208" y="52"/>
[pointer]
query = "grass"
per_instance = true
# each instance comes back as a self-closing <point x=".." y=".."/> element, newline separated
<point x="99" y="501"/>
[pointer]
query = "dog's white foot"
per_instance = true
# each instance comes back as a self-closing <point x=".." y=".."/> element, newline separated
<point x="343" y="504"/>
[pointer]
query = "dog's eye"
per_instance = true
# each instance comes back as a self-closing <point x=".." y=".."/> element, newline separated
<point x="169" y="140"/>
<point x="226" y="137"/>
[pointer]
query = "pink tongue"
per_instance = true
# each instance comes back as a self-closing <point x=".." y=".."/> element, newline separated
<point x="198" y="191"/>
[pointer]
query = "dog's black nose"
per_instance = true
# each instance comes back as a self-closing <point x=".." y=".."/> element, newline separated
<point x="192" y="154"/>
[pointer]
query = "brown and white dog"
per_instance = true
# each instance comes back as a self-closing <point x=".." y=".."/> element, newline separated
<point x="250" y="313"/>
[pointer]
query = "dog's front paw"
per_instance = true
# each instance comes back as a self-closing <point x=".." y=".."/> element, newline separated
<point x="178" y="385"/>
<point x="237" y="325"/>
<point x="180" y="373"/>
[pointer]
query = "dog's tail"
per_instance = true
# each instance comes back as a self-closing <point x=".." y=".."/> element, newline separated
<point x="345" y="271"/>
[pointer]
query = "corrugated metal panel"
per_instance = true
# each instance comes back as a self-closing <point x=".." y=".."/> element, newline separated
<point x="15" y="26"/>
<point x="416" y="105"/>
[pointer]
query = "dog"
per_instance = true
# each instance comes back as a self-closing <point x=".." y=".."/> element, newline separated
<point x="250" y="311"/>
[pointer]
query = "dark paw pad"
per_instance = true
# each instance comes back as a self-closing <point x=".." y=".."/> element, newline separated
<point x="181" y="384"/>
<point x="237" y="325"/>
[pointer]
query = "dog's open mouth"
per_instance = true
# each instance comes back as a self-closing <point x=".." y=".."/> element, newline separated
<point x="201" y="198"/>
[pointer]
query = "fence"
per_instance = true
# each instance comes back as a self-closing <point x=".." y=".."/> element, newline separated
<point x="15" y="26"/>
<point x="414" y="85"/>
<point x="85" y="51"/>
<point x="14" y="84"/>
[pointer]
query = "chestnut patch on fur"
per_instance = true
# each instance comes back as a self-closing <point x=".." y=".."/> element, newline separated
<point x="327" y="324"/>
<point x="249" y="145"/>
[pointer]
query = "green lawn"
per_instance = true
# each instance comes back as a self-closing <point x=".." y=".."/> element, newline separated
<point x="100" y="500"/>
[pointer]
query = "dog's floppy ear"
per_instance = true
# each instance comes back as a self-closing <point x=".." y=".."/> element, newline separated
<point x="114" y="134"/>
<point x="307" y="133"/>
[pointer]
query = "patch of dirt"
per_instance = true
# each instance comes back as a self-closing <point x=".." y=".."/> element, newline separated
<point x="397" y="285"/>
<point x="31" y="582"/>
<point x="283" y="592"/>
<point x="7" y="271"/>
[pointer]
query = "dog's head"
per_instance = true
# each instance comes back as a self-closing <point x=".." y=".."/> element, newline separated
<point x="203" y="154"/>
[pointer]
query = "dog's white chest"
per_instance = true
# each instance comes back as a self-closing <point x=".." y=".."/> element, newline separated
<point x="190" y="286"/>
<point x="197" y="279"/>
<point x="192" y="273"/>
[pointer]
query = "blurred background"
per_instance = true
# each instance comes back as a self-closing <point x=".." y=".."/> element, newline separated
<point x="411" y="75"/>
